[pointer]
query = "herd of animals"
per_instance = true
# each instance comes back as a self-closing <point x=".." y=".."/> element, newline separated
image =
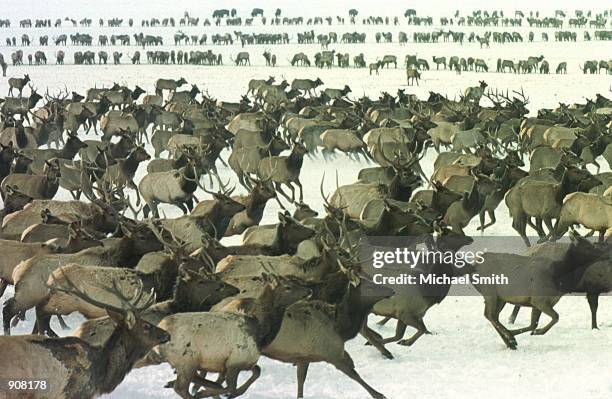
<point x="157" y="289"/>
<point x="152" y="43"/>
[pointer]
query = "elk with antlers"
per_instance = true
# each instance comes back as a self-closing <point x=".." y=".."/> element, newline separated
<point x="73" y="368"/>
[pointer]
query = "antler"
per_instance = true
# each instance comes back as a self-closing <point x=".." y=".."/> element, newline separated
<point x="129" y="304"/>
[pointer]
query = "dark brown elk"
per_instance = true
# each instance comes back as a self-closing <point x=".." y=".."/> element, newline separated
<point x="15" y="201"/>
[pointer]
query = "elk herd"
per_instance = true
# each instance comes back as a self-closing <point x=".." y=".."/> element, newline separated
<point x="88" y="179"/>
<point x="157" y="289"/>
<point x="153" y="46"/>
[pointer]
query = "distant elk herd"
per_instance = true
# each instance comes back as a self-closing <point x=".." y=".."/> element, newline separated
<point x="151" y="44"/>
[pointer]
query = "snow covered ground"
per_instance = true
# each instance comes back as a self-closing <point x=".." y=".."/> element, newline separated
<point x="464" y="358"/>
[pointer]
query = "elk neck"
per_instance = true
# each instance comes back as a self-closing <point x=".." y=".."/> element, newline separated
<point x="352" y="311"/>
<point x="116" y="358"/>
<point x="269" y="317"/>
<point x="295" y="160"/>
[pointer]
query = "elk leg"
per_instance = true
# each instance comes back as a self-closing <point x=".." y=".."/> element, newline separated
<point x="279" y="189"/>
<point x="400" y="329"/>
<point x="593" y="299"/>
<point x="493" y="307"/>
<point x="299" y="184"/>
<point x="384" y="321"/>
<point x="256" y="372"/>
<point x="3" y="285"/>
<point x="514" y="314"/>
<point x="535" y="318"/>
<point x="421" y="329"/>
<point x="183" y="379"/>
<point x="182" y="207"/>
<point x="519" y="224"/>
<point x="549" y="225"/>
<point x="62" y="323"/>
<point x="43" y="323"/>
<point x="8" y="312"/>
<point x="482" y="219"/>
<point x="346" y="366"/>
<point x="376" y="340"/>
<point x="302" y="371"/>
<point x="546" y="308"/>
<point x="199" y="380"/>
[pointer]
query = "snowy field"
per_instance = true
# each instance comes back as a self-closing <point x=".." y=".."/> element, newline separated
<point x="464" y="358"/>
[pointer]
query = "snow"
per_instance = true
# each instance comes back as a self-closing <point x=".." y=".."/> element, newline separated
<point x="464" y="358"/>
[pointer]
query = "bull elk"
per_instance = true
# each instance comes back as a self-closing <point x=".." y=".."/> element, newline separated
<point x="101" y="369"/>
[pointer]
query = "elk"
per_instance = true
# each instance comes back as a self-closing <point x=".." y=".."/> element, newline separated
<point x="345" y="140"/>
<point x="475" y="93"/>
<point x="281" y="238"/>
<point x="20" y="106"/>
<point x="336" y="94"/>
<point x="590" y="210"/>
<point x="122" y="173"/>
<point x="239" y="341"/>
<point x="209" y="216"/>
<point x="168" y="84"/>
<point x="244" y="160"/>
<point x="157" y="278"/>
<point x="35" y="186"/>
<point x="284" y="170"/>
<point x="101" y="368"/>
<point x="39" y="156"/>
<point x="18" y="83"/>
<point x="254" y="204"/>
<point x="30" y="276"/>
<point x="306" y="85"/>
<point x="19" y="251"/>
<point x="410" y="303"/>
<point x="184" y="97"/>
<point x="97" y="215"/>
<point x="412" y="75"/>
<point x="254" y="84"/>
<point x="172" y="187"/>
<point x="333" y="324"/>
<point x="15" y="201"/>
<point x="534" y="281"/>
<point x="117" y="123"/>
<point x="194" y="291"/>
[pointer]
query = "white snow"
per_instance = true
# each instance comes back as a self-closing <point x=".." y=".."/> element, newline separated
<point x="464" y="358"/>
